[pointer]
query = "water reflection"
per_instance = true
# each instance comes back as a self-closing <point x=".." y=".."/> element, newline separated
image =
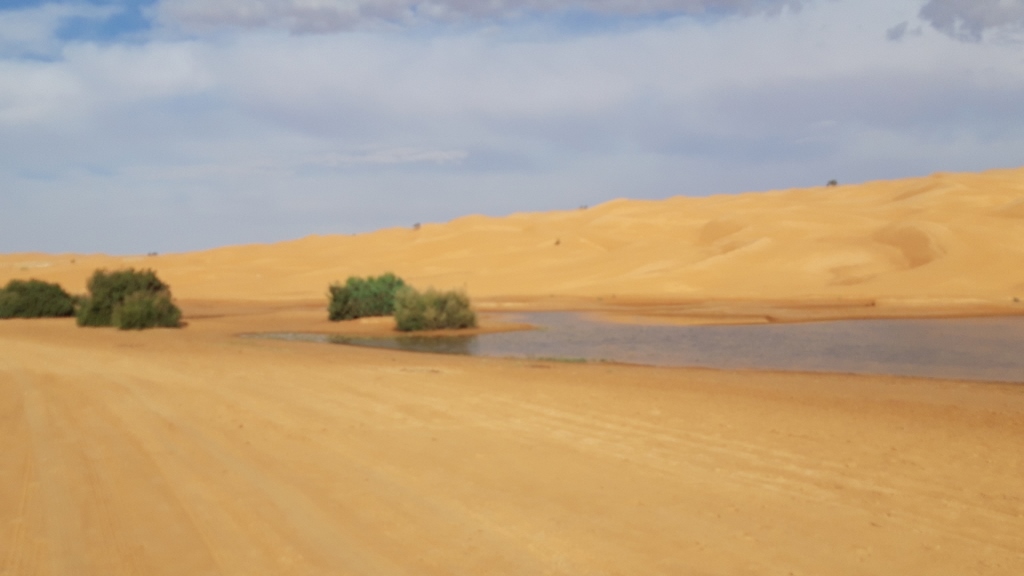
<point x="466" y="345"/>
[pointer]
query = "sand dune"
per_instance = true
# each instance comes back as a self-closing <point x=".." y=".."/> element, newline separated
<point x="945" y="237"/>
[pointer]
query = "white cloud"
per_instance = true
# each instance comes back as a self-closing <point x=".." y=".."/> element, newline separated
<point x="90" y="79"/>
<point x="305" y="16"/>
<point x="36" y="94"/>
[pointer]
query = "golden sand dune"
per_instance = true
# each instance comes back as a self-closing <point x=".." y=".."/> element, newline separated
<point x="198" y="452"/>
<point x="945" y="237"/>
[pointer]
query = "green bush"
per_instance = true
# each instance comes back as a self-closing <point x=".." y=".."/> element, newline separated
<point x="109" y="291"/>
<point x="432" y="310"/>
<point x="146" y="310"/>
<point x="35" y="299"/>
<point x="360" y="297"/>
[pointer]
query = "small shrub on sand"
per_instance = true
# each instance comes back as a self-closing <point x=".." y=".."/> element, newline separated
<point x="146" y="310"/>
<point x="361" y="297"/>
<point x="432" y="310"/>
<point x="35" y="299"/>
<point x="109" y="292"/>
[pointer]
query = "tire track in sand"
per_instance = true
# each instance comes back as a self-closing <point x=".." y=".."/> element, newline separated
<point x="62" y="522"/>
<point x="765" y="467"/>
<point x="87" y="511"/>
<point x="19" y="483"/>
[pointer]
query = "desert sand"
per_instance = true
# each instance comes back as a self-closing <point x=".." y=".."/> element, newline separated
<point x="195" y="451"/>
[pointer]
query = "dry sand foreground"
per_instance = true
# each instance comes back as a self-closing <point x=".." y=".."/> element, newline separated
<point x="197" y="452"/>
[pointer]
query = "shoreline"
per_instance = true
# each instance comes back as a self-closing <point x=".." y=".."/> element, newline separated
<point x="708" y="311"/>
<point x="311" y="316"/>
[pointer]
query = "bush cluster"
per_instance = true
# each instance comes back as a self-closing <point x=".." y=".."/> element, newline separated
<point x="361" y="297"/>
<point x="432" y="310"/>
<point x="35" y="299"/>
<point x="129" y="299"/>
<point x="146" y="310"/>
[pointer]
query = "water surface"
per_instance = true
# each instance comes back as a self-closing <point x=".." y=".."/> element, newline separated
<point x="963" y="348"/>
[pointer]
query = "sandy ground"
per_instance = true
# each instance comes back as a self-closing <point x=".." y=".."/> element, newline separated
<point x="195" y="451"/>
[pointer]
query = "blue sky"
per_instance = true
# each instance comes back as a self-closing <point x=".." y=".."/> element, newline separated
<point x="173" y="125"/>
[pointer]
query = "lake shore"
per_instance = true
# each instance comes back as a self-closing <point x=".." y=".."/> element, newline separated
<point x="195" y="451"/>
<point x="310" y="315"/>
<point x="720" y="311"/>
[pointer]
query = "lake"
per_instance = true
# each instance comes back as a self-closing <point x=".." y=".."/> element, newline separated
<point x="989" y="349"/>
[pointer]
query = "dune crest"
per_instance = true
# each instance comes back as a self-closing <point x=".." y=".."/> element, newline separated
<point x="953" y="236"/>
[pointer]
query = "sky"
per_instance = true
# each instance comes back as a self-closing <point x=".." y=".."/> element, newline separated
<point x="136" y="126"/>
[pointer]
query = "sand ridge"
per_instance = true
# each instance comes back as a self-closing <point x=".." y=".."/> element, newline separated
<point x="952" y="239"/>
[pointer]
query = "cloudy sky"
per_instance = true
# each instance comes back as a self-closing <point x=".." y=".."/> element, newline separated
<point x="130" y="126"/>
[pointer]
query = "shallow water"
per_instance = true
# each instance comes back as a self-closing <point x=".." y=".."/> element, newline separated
<point x="964" y="348"/>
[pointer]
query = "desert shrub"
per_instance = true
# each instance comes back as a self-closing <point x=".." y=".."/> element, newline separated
<point x="146" y="310"/>
<point x="8" y="304"/>
<point x="432" y="310"/>
<point x="109" y="291"/>
<point x="360" y="297"/>
<point x="35" y="299"/>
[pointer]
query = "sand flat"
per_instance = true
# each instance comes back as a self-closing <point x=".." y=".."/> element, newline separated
<point x="195" y="451"/>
